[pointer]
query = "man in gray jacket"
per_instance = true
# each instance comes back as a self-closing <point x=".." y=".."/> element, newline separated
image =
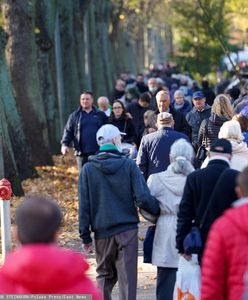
<point x="199" y="112"/>
<point x="110" y="189"/>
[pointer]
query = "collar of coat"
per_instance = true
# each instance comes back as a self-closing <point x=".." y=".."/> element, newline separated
<point x="240" y="202"/>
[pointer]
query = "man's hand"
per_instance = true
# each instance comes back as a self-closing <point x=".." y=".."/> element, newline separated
<point x="87" y="249"/>
<point x="150" y="130"/>
<point x="187" y="257"/>
<point x="64" y="149"/>
<point x="128" y="115"/>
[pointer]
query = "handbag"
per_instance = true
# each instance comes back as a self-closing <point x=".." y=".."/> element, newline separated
<point x="192" y="243"/>
<point x="202" y="150"/>
<point x="148" y="244"/>
<point x="201" y="153"/>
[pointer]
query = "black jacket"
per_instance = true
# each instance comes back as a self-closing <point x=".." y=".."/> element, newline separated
<point x="222" y="197"/>
<point x="209" y="94"/>
<point x="194" y="119"/>
<point x="181" y="124"/>
<point x="72" y="128"/>
<point x="137" y="113"/>
<point x="125" y="125"/>
<point x="197" y="192"/>
<point x="209" y="129"/>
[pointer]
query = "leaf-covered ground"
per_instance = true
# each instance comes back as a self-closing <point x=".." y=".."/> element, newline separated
<point x="58" y="182"/>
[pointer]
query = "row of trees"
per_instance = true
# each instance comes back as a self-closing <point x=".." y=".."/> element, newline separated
<point x="51" y="50"/>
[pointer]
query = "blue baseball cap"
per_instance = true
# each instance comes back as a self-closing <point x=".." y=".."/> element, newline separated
<point x="198" y="95"/>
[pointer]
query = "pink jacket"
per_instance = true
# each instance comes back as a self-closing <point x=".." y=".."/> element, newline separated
<point x="225" y="259"/>
<point x="46" y="269"/>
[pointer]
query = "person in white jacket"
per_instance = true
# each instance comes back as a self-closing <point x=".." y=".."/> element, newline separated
<point x="231" y="131"/>
<point x="167" y="187"/>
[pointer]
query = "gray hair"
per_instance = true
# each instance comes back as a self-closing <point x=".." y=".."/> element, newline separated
<point x="181" y="155"/>
<point x="178" y="93"/>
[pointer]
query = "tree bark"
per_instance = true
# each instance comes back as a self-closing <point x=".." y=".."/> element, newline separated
<point x="45" y="25"/>
<point x="9" y="167"/>
<point x="70" y="68"/>
<point x="18" y="16"/>
<point x="98" y="85"/>
<point x="21" y="149"/>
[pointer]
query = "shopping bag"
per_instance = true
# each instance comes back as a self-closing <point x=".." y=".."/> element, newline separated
<point x="187" y="286"/>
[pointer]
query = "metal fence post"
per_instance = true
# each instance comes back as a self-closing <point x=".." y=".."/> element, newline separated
<point x="5" y="194"/>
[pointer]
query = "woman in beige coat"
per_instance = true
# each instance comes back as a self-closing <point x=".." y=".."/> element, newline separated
<point x="167" y="187"/>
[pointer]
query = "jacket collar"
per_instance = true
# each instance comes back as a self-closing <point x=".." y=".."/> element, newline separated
<point x="240" y="202"/>
<point x="218" y="161"/>
<point x="218" y="157"/>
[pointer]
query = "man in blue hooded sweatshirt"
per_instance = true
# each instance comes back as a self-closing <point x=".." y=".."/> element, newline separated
<point x="110" y="189"/>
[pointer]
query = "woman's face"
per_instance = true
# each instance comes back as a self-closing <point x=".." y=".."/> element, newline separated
<point x="179" y="99"/>
<point x="117" y="110"/>
<point x="146" y="120"/>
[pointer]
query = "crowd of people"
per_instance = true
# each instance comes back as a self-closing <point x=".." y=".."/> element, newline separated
<point x="140" y="148"/>
<point x="168" y="120"/>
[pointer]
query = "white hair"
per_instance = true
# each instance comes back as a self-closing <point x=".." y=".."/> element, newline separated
<point x="103" y="99"/>
<point x="181" y="155"/>
<point x="231" y="130"/>
<point x="178" y="93"/>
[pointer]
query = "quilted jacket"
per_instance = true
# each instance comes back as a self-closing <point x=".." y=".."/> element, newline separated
<point x="226" y="255"/>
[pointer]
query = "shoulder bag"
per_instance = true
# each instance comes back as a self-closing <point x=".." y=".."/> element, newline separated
<point x="192" y="243"/>
<point x="202" y="150"/>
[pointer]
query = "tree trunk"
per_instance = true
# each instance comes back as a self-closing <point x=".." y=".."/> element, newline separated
<point x="70" y="68"/>
<point x="140" y="50"/>
<point x="21" y="149"/>
<point x="102" y="25"/>
<point x="9" y="167"/>
<point x="18" y="17"/>
<point x="78" y="23"/>
<point x="98" y="85"/>
<point x="45" y="25"/>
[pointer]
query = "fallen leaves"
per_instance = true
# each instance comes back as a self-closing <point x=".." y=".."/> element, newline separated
<point x="58" y="182"/>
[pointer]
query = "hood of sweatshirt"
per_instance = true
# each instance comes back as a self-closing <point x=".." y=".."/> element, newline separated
<point x="108" y="162"/>
<point x="239" y="147"/>
<point x="172" y="181"/>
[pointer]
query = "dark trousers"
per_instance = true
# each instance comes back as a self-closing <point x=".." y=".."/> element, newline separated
<point x="81" y="160"/>
<point x="166" y="279"/>
<point x="116" y="259"/>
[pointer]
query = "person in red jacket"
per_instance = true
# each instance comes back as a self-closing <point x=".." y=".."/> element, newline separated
<point x="225" y="259"/>
<point x="39" y="266"/>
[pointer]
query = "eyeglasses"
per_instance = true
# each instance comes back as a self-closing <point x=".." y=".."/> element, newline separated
<point x="117" y="107"/>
